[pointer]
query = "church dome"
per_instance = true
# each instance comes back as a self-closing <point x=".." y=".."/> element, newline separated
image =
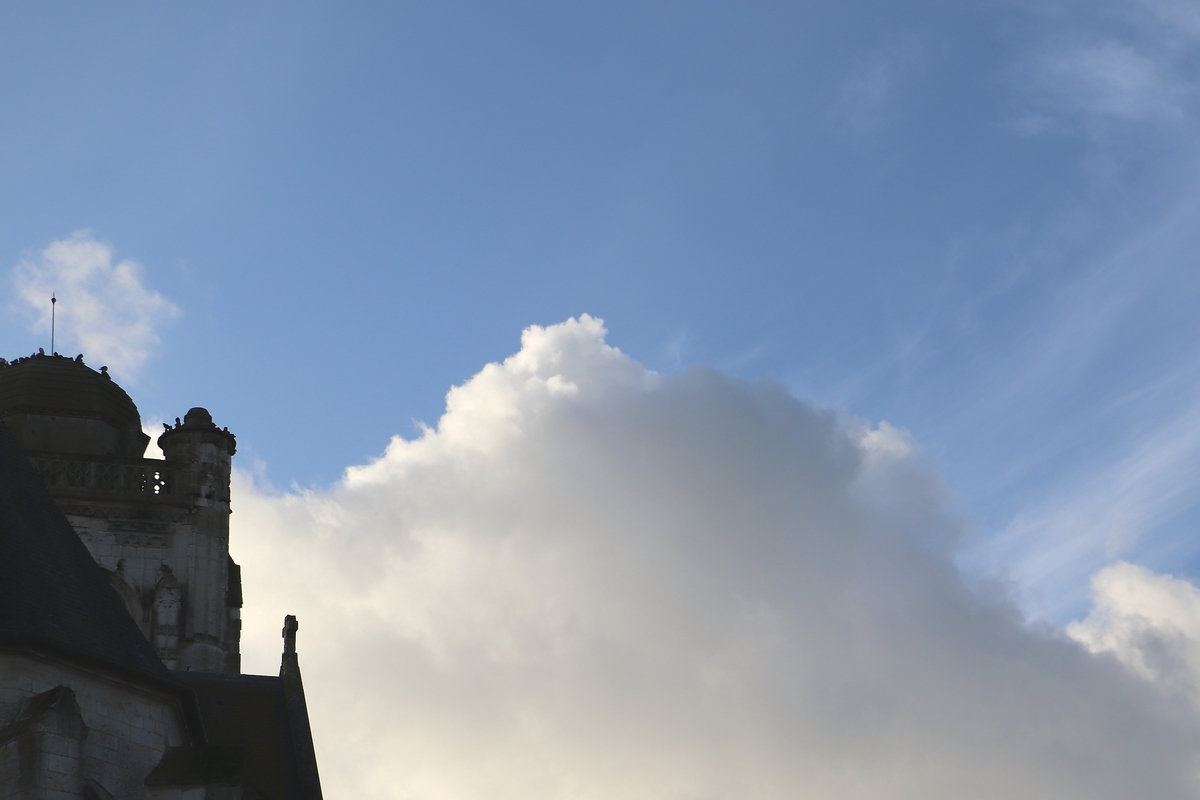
<point x="56" y="404"/>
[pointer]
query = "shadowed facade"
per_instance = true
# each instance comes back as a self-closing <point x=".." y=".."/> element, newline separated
<point x="118" y="642"/>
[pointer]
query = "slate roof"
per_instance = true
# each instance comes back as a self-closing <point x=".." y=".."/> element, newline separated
<point x="52" y="593"/>
<point x="189" y="767"/>
<point x="249" y="713"/>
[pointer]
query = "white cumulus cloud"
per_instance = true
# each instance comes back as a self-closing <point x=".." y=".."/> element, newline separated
<point x="1150" y="622"/>
<point x="105" y="308"/>
<point x="593" y="581"/>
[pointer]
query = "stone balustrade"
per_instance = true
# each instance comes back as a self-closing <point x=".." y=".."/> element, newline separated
<point x="143" y="478"/>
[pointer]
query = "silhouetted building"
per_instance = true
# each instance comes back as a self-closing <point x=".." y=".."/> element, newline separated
<point x="120" y="607"/>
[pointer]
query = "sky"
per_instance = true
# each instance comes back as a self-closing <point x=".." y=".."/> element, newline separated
<point x="608" y="362"/>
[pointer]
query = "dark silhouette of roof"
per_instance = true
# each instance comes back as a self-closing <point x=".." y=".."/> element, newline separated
<point x="53" y="595"/>
<point x="191" y="766"/>
<point x="249" y="713"/>
<point x="266" y="718"/>
<point x="66" y="387"/>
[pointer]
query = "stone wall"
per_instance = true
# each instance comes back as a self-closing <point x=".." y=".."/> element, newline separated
<point x="125" y="730"/>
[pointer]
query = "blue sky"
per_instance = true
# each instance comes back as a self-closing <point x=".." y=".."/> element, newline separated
<point x="377" y="240"/>
<point x="973" y="220"/>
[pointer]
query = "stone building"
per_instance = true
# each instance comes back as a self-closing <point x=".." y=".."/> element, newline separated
<point x="120" y="607"/>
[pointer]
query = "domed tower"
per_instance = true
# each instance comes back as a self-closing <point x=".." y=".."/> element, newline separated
<point x="54" y="404"/>
<point x="159" y="528"/>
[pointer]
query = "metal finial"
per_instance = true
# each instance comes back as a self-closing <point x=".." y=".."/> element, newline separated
<point x="53" y="303"/>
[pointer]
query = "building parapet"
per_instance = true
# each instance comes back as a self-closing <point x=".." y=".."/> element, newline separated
<point x="143" y="478"/>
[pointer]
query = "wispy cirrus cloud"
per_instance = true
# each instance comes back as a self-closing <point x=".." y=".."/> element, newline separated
<point x="870" y="93"/>
<point x="1104" y="360"/>
<point x="1109" y="63"/>
<point x="105" y="307"/>
<point x="1109" y="79"/>
<point x="1106" y="513"/>
<point x="1182" y="15"/>
<point x="1111" y="359"/>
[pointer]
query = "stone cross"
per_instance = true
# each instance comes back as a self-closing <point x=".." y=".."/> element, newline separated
<point x="290" y="626"/>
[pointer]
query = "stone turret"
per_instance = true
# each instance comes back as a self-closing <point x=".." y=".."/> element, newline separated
<point x="198" y="456"/>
